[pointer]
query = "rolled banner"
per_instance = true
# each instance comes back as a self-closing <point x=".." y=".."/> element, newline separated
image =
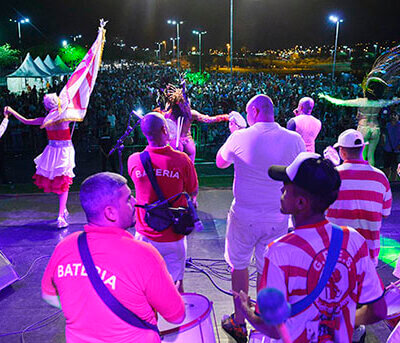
<point x="238" y="119"/>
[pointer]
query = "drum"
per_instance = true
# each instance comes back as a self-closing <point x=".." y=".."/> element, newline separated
<point x="197" y="326"/>
<point x="392" y="297"/>
<point x="258" y="337"/>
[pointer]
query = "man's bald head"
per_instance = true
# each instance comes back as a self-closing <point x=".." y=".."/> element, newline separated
<point x="152" y="126"/>
<point x="305" y="106"/>
<point x="260" y="108"/>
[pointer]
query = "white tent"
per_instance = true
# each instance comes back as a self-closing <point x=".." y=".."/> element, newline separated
<point x="38" y="61"/>
<point x="60" y="63"/>
<point x="27" y="75"/>
<point x="56" y="70"/>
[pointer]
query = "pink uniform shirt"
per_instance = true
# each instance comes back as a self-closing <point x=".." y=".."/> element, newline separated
<point x="174" y="173"/>
<point x="134" y="272"/>
<point x="308" y="127"/>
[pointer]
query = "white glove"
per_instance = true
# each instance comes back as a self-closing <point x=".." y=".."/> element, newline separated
<point x="331" y="154"/>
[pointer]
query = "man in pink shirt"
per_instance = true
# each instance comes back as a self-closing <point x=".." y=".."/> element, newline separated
<point x="175" y="173"/>
<point x="305" y="124"/>
<point x="134" y="272"/>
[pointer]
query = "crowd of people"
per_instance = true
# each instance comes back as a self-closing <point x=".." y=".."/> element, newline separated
<point x="119" y="91"/>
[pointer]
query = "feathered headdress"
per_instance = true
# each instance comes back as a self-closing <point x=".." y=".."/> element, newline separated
<point x="385" y="73"/>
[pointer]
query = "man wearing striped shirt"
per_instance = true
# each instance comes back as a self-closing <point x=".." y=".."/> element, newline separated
<point x="295" y="262"/>
<point x="365" y="197"/>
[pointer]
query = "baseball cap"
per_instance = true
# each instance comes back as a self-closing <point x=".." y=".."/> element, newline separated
<point x="310" y="172"/>
<point x="350" y="139"/>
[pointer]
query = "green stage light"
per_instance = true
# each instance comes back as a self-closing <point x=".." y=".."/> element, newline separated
<point x="390" y="251"/>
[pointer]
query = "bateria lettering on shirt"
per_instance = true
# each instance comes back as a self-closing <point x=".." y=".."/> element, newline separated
<point x="172" y="174"/>
<point x="78" y="270"/>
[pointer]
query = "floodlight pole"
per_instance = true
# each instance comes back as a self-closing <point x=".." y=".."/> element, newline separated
<point x="19" y="32"/>
<point x="231" y="38"/>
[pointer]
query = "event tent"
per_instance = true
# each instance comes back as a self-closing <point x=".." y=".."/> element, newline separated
<point x="38" y="61"/>
<point x="56" y="70"/>
<point x="60" y="63"/>
<point x="27" y="75"/>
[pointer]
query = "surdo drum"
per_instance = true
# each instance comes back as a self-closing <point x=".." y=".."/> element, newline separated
<point x="197" y="326"/>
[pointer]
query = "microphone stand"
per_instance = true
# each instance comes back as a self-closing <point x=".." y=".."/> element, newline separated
<point x="119" y="146"/>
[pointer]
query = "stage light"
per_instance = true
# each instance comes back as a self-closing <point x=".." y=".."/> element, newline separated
<point x="64" y="43"/>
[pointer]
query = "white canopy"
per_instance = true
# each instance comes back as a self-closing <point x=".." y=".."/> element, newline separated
<point x="53" y="67"/>
<point x="27" y="75"/>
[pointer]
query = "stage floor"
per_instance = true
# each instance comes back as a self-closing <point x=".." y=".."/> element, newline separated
<point x="28" y="233"/>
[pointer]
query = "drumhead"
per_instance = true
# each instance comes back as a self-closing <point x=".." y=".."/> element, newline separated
<point x="197" y="308"/>
<point x="392" y="297"/>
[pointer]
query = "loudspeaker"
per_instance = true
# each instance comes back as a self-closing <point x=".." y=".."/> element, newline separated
<point x="7" y="273"/>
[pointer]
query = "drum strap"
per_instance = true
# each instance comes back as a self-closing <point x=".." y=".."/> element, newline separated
<point x="102" y="291"/>
<point x="333" y="255"/>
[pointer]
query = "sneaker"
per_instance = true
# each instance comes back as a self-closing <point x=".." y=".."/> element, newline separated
<point x="359" y="334"/>
<point x="61" y="223"/>
<point x="237" y="331"/>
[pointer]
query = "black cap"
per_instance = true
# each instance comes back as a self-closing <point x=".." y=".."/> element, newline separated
<point x="310" y="172"/>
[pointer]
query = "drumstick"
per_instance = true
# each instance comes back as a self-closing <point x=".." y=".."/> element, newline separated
<point x="394" y="285"/>
<point x="178" y="131"/>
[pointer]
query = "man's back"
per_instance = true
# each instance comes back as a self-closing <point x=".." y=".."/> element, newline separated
<point x="364" y="198"/>
<point x="294" y="264"/>
<point x="133" y="272"/>
<point x="253" y="151"/>
<point x="174" y="173"/>
<point x="308" y="127"/>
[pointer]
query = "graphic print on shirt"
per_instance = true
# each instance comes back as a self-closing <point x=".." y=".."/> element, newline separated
<point x="334" y="297"/>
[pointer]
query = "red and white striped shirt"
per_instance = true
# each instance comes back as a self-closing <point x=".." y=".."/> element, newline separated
<point x="364" y="197"/>
<point x="294" y="263"/>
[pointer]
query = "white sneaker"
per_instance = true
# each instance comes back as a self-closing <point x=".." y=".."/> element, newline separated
<point x="61" y="222"/>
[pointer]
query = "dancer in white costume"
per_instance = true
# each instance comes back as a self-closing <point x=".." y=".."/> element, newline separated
<point x="54" y="166"/>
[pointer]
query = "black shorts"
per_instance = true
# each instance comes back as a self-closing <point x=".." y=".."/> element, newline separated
<point x="390" y="159"/>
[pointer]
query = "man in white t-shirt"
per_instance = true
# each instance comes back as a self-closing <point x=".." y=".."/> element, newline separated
<point x="254" y="219"/>
<point x="305" y="123"/>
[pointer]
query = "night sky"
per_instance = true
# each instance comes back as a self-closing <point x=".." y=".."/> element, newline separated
<point x="259" y="24"/>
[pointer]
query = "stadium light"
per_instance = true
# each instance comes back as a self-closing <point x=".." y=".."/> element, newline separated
<point x="19" y="22"/>
<point x="199" y="34"/>
<point x="337" y="21"/>
<point x="177" y="23"/>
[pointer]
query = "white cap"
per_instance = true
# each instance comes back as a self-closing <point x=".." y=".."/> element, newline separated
<point x="350" y="139"/>
<point x="292" y="169"/>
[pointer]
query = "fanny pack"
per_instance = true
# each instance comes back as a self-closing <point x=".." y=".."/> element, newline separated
<point x="160" y="215"/>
